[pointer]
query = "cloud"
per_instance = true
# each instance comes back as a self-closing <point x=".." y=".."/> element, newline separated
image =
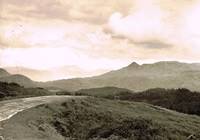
<point x="157" y="23"/>
<point x="97" y="32"/>
<point x="33" y="9"/>
<point x="148" y="44"/>
<point x="153" y="44"/>
<point x="144" y="23"/>
<point x="85" y="10"/>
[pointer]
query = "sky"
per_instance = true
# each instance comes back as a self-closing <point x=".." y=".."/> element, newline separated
<point x="95" y="36"/>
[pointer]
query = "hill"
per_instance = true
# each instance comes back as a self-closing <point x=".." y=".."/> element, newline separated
<point x="181" y="100"/>
<point x="13" y="90"/>
<point x="19" y="79"/>
<point x="100" y="119"/>
<point x="36" y="75"/>
<point x="169" y="74"/>
<point x="3" y="73"/>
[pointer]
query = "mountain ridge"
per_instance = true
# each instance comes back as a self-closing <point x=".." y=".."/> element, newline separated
<point x="165" y="74"/>
<point x="136" y="77"/>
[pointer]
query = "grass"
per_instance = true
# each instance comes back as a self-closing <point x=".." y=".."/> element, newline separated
<point x="99" y="119"/>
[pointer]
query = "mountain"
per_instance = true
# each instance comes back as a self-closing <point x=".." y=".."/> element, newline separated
<point x="3" y="73"/>
<point x="19" y="79"/>
<point x="165" y="74"/>
<point x="54" y="73"/>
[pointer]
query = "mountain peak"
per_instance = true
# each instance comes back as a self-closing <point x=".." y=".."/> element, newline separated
<point x="133" y="64"/>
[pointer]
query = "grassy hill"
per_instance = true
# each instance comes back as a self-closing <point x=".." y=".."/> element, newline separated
<point x="182" y="100"/>
<point x="3" y="73"/>
<point x="100" y="119"/>
<point x="13" y="90"/>
<point x="19" y="79"/>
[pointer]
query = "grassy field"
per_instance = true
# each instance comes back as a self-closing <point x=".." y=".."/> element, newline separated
<point x="90" y="118"/>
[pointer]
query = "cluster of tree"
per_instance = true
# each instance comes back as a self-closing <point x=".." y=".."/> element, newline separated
<point x="182" y="100"/>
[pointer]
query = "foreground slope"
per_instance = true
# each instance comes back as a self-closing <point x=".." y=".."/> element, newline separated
<point x="100" y="119"/>
<point x="140" y="77"/>
<point x="8" y="108"/>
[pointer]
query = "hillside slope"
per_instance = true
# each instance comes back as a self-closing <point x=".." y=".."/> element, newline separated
<point x="100" y="119"/>
<point x="13" y="90"/>
<point x="181" y="100"/>
<point x="19" y="79"/>
<point x="3" y="73"/>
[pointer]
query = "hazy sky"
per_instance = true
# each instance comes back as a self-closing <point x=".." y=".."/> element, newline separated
<point x="97" y="34"/>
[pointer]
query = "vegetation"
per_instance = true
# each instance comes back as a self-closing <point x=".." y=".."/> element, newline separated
<point x="105" y="92"/>
<point x="14" y="90"/>
<point x="100" y="119"/>
<point x="182" y="100"/>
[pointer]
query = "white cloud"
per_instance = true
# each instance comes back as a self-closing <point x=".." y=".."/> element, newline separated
<point x="144" y="22"/>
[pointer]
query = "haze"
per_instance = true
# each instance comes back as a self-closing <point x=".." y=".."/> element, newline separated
<point x="82" y="38"/>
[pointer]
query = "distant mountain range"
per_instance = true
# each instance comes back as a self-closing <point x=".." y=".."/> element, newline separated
<point x="63" y="72"/>
<point x="166" y="74"/>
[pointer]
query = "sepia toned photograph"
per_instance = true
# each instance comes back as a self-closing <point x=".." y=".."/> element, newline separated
<point x="99" y="69"/>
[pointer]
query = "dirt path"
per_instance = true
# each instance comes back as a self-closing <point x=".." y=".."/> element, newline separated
<point x="11" y="107"/>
